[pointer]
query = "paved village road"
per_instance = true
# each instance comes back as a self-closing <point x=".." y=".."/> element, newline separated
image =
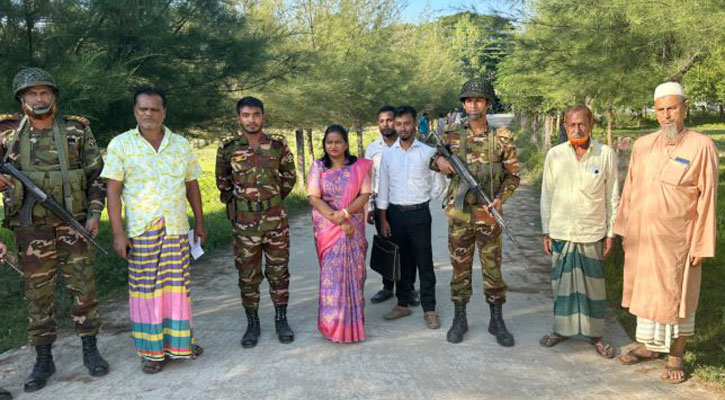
<point x="399" y="360"/>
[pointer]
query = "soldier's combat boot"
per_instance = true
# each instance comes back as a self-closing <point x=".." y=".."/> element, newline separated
<point x="284" y="332"/>
<point x="251" y="336"/>
<point x="42" y="370"/>
<point x="460" y="324"/>
<point x="92" y="359"/>
<point x="497" y="327"/>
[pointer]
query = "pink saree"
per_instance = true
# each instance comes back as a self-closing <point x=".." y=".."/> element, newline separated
<point x="342" y="258"/>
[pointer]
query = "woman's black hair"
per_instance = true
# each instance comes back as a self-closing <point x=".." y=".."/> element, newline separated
<point x="349" y="159"/>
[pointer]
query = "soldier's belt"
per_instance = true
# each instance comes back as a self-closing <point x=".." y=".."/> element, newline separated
<point x="257" y="206"/>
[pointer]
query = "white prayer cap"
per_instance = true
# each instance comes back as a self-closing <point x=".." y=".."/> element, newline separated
<point x="669" y="89"/>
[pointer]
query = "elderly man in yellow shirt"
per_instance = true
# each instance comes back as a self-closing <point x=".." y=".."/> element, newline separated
<point x="155" y="172"/>
<point x="579" y="198"/>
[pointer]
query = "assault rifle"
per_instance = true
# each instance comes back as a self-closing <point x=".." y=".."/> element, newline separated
<point x="13" y="266"/>
<point x="34" y="194"/>
<point x="468" y="182"/>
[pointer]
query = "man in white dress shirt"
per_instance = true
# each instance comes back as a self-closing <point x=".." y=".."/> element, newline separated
<point x="405" y="188"/>
<point x="374" y="152"/>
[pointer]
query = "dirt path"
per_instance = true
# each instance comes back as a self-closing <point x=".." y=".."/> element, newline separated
<point x="400" y="359"/>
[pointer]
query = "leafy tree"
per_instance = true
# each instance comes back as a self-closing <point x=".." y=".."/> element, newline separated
<point x="100" y="50"/>
<point x="608" y="54"/>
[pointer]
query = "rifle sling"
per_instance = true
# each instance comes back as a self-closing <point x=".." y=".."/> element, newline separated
<point x="61" y="145"/>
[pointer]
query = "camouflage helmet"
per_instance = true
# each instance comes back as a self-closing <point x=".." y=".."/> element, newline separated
<point x="477" y="87"/>
<point x="29" y="77"/>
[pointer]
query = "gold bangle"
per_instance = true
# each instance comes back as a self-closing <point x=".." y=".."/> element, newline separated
<point x="347" y="214"/>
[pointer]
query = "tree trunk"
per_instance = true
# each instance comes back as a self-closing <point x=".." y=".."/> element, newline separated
<point x="523" y="123"/>
<point x="562" y="131"/>
<point x="300" y="139"/>
<point x="29" y="26"/>
<point x="549" y="124"/>
<point x="610" y="121"/>
<point x="557" y="129"/>
<point x="535" y="129"/>
<point x="360" y="146"/>
<point x="309" y="144"/>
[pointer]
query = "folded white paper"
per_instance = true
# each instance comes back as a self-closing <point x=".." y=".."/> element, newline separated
<point x="196" y="250"/>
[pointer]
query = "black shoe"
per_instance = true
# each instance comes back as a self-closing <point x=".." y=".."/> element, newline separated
<point x="251" y="336"/>
<point x="414" y="299"/>
<point x="497" y="327"/>
<point x="284" y="332"/>
<point x="42" y="370"/>
<point x="381" y="296"/>
<point x="92" y="359"/>
<point x="459" y="326"/>
<point x="5" y="395"/>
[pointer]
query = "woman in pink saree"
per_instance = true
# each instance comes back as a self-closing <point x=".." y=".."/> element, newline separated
<point x="338" y="187"/>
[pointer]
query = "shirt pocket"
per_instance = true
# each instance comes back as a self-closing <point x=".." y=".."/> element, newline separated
<point x="75" y="150"/>
<point x="418" y="172"/>
<point x="674" y="170"/>
<point x="170" y="165"/>
<point x="242" y="162"/>
<point x="592" y="180"/>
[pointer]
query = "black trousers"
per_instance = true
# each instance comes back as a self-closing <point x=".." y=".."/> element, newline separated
<point x="411" y="231"/>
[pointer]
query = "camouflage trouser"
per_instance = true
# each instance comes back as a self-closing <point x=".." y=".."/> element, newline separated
<point x="42" y="250"/>
<point x="462" y="241"/>
<point x="248" y="249"/>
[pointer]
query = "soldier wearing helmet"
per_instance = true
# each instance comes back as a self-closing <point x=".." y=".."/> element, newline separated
<point x="59" y="154"/>
<point x="491" y="157"/>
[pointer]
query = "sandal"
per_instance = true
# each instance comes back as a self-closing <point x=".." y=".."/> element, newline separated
<point x="604" y="350"/>
<point x="151" y="367"/>
<point x="552" y="340"/>
<point x="669" y="370"/>
<point x="631" y="357"/>
<point x="196" y="351"/>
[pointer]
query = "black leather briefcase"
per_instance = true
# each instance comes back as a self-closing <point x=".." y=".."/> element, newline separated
<point x="385" y="258"/>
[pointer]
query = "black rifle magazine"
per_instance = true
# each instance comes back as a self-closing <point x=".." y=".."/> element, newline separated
<point x="385" y="258"/>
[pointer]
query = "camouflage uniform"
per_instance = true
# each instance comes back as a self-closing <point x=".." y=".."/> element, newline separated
<point x="493" y="161"/>
<point x="48" y="242"/>
<point x="253" y="184"/>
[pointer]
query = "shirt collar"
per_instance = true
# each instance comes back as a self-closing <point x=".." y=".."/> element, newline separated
<point x="164" y="141"/>
<point x="485" y="132"/>
<point x="593" y="143"/>
<point x="243" y="138"/>
<point x="381" y="142"/>
<point x="676" y="142"/>
<point x="416" y="142"/>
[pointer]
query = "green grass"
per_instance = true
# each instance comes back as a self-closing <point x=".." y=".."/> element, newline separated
<point x="111" y="271"/>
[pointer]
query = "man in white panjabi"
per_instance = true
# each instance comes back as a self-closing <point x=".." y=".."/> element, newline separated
<point x="667" y="220"/>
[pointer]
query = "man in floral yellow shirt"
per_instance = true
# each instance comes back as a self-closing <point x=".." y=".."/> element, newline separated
<point x="155" y="172"/>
